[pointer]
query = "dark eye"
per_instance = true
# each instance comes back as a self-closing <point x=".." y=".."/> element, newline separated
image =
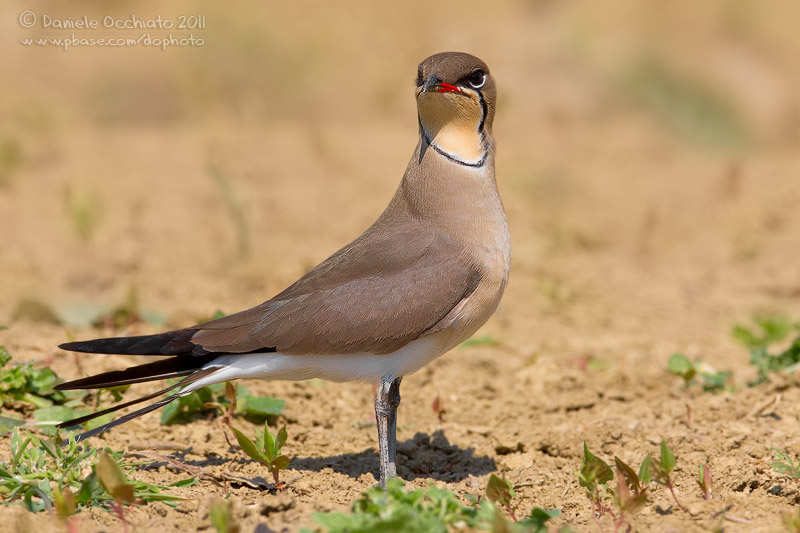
<point x="419" y="78"/>
<point x="477" y="79"/>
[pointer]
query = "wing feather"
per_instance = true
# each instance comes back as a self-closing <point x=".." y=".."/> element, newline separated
<point x="373" y="296"/>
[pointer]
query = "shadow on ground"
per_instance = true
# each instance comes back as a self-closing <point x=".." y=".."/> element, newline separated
<point x="423" y="456"/>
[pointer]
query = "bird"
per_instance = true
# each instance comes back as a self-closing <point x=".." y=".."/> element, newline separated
<point x="419" y="281"/>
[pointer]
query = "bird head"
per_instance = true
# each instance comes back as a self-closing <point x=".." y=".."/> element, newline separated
<point x="455" y="102"/>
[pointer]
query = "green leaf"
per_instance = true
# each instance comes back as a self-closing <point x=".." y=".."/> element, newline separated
<point x="594" y="471"/>
<point x="644" y="470"/>
<point x="53" y="415"/>
<point x="627" y="474"/>
<point x="113" y="480"/>
<point x="680" y="365"/>
<point x="258" y="407"/>
<point x="220" y="514"/>
<point x="65" y="503"/>
<point x="169" y="412"/>
<point x="485" y="340"/>
<point x="280" y="440"/>
<point x="499" y="490"/>
<point x="538" y="519"/>
<point x="587" y="454"/>
<point x="249" y="448"/>
<point x="99" y="421"/>
<point x="269" y="444"/>
<point x="188" y="482"/>
<point x="186" y="407"/>
<point x="7" y="424"/>
<point x="667" y="458"/>
<point x="230" y="391"/>
<point x="5" y="357"/>
<point x="280" y="463"/>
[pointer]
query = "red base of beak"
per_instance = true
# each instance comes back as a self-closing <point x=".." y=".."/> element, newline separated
<point x="447" y="88"/>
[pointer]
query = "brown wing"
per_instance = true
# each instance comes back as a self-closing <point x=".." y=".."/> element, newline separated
<point x="375" y="295"/>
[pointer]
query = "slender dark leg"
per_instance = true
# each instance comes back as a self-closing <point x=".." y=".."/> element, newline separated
<point x="386" y="415"/>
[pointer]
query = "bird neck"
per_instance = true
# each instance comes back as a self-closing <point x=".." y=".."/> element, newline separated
<point x="447" y="192"/>
<point x="461" y="139"/>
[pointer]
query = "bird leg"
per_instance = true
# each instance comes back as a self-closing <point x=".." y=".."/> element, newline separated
<point x="386" y="415"/>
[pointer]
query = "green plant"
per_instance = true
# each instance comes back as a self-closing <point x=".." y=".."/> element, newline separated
<point x="26" y="383"/>
<point x="114" y="482"/>
<point x="631" y="493"/>
<point x="400" y="510"/>
<point x="500" y="490"/>
<point x="42" y="473"/>
<point x="66" y="507"/>
<point x="593" y="476"/>
<point x="713" y="380"/>
<point x="25" y="386"/>
<point x="208" y="318"/>
<point x="266" y="450"/>
<point x="84" y="212"/>
<point x="769" y="330"/>
<point x="438" y="408"/>
<point x="628" y="495"/>
<point x="791" y="520"/>
<point x="215" y="400"/>
<point x="126" y="313"/>
<point x="704" y="480"/>
<point x="785" y="464"/>
<point x="483" y="340"/>
<point x="660" y="471"/>
<point x="221" y="517"/>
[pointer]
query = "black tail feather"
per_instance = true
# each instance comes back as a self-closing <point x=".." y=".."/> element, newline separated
<point x="92" y="416"/>
<point x="196" y="375"/>
<point x="121" y="420"/>
<point x="176" y="342"/>
<point x="173" y="367"/>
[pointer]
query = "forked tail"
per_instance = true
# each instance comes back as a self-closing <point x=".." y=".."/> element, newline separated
<point x="183" y="363"/>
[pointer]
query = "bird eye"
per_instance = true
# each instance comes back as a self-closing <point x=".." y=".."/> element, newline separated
<point x="419" y="78"/>
<point x="477" y="79"/>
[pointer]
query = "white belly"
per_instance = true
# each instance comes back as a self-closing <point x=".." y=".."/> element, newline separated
<point x="364" y="367"/>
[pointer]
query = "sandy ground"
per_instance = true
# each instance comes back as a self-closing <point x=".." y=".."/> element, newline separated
<point x="633" y="239"/>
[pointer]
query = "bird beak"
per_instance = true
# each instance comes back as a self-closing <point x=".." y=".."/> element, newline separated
<point x="435" y="85"/>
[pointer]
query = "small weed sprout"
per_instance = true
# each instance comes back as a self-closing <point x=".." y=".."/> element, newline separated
<point x="791" y="520"/>
<point x="660" y="471"/>
<point x="113" y="480"/>
<point x="499" y="490"/>
<point x="84" y="213"/>
<point x="227" y="400"/>
<point x="266" y="450"/>
<point x="680" y="365"/>
<point x="438" y="408"/>
<point x="593" y="475"/>
<point x="430" y="509"/>
<point x="222" y="517"/>
<point x="631" y="493"/>
<point x="66" y="506"/>
<point x="704" y="481"/>
<point x="785" y="465"/>
<point x="43" y="474"/>
<point x="713" y="380"/>
<point x="768" y="331"/>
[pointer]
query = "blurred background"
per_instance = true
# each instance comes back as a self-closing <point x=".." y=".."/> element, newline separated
<point x="648" y="158"/>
